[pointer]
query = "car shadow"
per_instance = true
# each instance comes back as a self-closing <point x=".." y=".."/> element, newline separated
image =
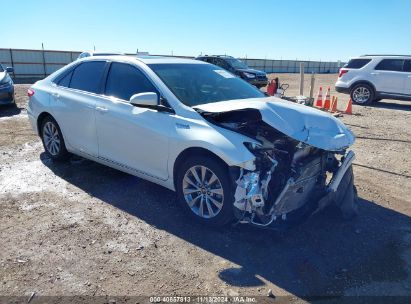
<point x="9" y="110"/>
<point x="323" y="256"/>
<point x="392" y="105"/>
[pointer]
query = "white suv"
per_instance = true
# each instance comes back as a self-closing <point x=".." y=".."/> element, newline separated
<point x="229" y="151"/>
<point x="373" y="77"/>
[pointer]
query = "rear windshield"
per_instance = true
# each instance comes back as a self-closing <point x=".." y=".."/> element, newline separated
<point x="357" y="63"/>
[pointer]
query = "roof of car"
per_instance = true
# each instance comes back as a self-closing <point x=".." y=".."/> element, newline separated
<point x="381" y="56"/>
<point x="147" y="59"/>
<point x="219" y="56"/>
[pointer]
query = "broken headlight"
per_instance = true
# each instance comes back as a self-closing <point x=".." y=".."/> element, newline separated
<point x="252" y="146"/>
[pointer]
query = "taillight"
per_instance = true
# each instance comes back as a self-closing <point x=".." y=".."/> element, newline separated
<point x="30" y="92"/>
<point x="342" y="72"/>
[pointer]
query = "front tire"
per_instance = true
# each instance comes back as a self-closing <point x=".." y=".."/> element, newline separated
<point x="362" y="94"/>
<point x="205" y="191"/>
<point x="52" y="139"/>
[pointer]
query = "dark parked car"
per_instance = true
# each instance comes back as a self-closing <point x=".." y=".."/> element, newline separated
<point x="6" y="86"/>
<point x="237" y="67"/>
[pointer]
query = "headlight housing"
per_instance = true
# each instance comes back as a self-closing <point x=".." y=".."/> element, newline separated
<point x="6" y="80"/>
<point x="249" y="75"/>
<point x="252" y="146"/>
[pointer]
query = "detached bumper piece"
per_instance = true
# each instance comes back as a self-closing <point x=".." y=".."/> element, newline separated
<point x="303" y="194"/>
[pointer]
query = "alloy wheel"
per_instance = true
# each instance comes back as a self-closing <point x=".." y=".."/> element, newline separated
<point x="361" y="95"/>
<point x="203" y="191"/>
<point x="51" y="138"/>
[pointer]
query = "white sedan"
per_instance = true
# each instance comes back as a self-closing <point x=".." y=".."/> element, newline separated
<point x="230" y="152"/>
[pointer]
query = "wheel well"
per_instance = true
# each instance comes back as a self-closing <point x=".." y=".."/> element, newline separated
<point x="40" y="120"/>
<point x="363" y="82"/>
<point x="191" y="152"/>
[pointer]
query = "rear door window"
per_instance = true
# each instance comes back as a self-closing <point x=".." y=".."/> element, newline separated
<point x="357" y="63"/>
<point x="407" y="66"/>
<point x="65" y="80"/>
<point x="125" y="80"/>
<point x="390" y="65"/>
<point x="87" y="76"/>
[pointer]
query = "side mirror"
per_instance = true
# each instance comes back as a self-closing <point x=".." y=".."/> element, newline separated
<point x="144" y="99"/>
<point x="9" y="70"/>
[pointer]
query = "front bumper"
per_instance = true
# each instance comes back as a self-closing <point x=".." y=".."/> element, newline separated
<point x="342" y="90"/>
<point x="299" y="198"/>
<point x="259" y="83"/>
<point x="6" y="94"/>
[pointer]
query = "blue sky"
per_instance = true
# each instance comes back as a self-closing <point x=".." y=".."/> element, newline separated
<point x="287" y="29"/>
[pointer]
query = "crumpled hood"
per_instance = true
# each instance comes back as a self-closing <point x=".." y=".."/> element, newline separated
<point x="305" y="124"/>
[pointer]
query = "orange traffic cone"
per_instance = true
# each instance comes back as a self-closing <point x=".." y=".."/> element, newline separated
<point x="334" y="104"/>
<point x="327" y="102"/>
<point x="319" y="102"/>
<point x="348" y="109"/>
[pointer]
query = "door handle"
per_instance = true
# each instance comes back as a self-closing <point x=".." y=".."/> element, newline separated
<point x="56" y="95"/>
<point x="409" y="76"/>
<point x="375" y="73"/>
<point x="102" y="109"/>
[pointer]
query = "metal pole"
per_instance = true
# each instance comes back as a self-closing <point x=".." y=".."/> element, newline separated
<point x="44" y="60"/>
<point x="12" y="63"/>
<point x="312" y="85"/>
<point x="301" y="78"/>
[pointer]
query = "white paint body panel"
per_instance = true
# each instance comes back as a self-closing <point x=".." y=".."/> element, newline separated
<point x="75" y="112"/>
<point x="133" y="136"/>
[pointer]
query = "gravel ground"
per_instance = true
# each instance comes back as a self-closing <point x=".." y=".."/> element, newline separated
<point x="79" y="228"/>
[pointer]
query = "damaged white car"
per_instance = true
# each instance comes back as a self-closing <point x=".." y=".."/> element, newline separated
<point x="230" y="152"/>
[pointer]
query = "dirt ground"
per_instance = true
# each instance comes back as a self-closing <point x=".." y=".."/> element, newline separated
<point x="79" y="228"/>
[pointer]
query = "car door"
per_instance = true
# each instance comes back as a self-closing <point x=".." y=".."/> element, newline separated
<point x="407" y="78"/>
<point x="74" y="98"/>
<point x="388" y="76"/>
<point x="130" y="136"/>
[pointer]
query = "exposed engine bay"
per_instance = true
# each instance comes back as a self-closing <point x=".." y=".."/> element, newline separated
<point x="291" y="177"/>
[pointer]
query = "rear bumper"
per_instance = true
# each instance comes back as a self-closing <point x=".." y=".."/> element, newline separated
<point x="342" y="90"/>
<point x="6" y="94"/>
<point x="32" y="119"/>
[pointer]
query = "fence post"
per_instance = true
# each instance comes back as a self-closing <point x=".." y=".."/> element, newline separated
<point x="301" y="78"/>
<point x="312" y="85"/>
<point x="44" y="61"/>
<point x="12" y="63"/>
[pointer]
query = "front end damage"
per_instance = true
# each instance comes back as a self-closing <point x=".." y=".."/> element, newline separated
<point x="292" y="179"/>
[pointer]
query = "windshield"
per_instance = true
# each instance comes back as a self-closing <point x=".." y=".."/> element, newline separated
<point x="195" y="84"/>
<point x="1" y="68"/>
<point x="237" y="64"/>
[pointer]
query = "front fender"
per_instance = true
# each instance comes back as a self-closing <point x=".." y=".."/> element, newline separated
<point x="227" y="145"/>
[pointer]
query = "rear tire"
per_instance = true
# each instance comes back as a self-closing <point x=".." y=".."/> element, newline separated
<point x="362" y="94"/>
<point x="204" y="190"/>
<point x="53" y="140"/>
